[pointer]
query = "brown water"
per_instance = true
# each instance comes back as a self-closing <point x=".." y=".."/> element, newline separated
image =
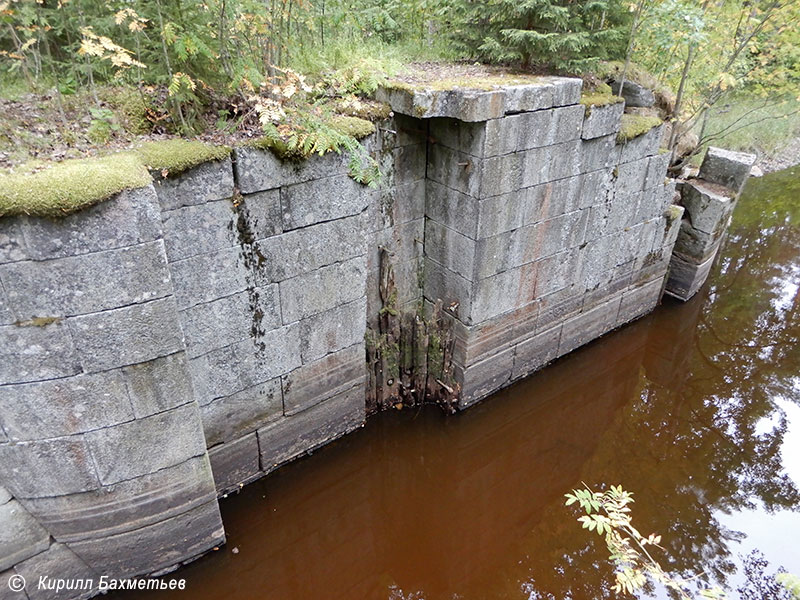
<point x="695" y="409"/>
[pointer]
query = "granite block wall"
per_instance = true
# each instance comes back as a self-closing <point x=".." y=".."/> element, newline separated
<point x="175" y="342"/>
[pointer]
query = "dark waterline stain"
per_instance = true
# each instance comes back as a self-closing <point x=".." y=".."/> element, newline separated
<point x="685" y="408"/>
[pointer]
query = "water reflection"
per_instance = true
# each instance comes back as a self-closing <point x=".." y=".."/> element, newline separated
<point x="687" y="408"/>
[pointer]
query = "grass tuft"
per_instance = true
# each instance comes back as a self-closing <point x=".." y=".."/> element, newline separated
<point x="632" y="126"/>
<point x="70" y="186"/>
<point x="177" y="155"/>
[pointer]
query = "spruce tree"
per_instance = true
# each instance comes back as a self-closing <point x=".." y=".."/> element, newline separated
<point x="566" y="35"/>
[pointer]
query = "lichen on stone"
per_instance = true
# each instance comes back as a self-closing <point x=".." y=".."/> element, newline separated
<point x="632" y="126"/>
<point x="177" y="155"/>
<point x="70" y="186"/>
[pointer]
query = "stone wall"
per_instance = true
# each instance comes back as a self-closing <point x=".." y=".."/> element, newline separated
<point x="178" y="341"/>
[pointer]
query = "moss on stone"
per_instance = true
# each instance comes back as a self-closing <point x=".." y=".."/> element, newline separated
<point x="38" y="322"/>
<point x="70" y="186"/>
<point x="352" y="126"/>
<point x="632" y="126"/>
<point x="589" y="99"/>
<point x="483" y="83"/>
<point x="673" y="212"/>
<point x="177" y="155"/>
<point x="372" y="110"/>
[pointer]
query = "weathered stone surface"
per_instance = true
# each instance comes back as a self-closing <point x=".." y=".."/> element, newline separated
<point x="450" y="249"/>
<point x="205" y="183"/>
<point x="631" y="177"/>
<point x="7" y="317"/>
<point x="245" y="364"/>
<point x="66" y="406"/>
<point x="408" y="164"/>
<point x="292" y="436"/>
<point x="126" y="451"/>
<point x="155" y="547"/>
<point x="125" y="336"/>
<point x="259" y="170"/>
<point x="484" y="377"/>
<point x="589" y="325"/>
<point x="229" y="418"/>
<point x="695" y="245"/>
<point x="235" y="463"/>
<point x="200" y="229"/>
<point x="540" y="165"/>
<point x="332" y="330"/>
<point x="47" y="467"/>
<point x="206" y="277"/>
<point x="458" y="135"/>
<point x="503" y="292"/>
<point x="20" y="535"/>
<point x="158" y="385"/>
<point x="262" y="212"/>
<point x="31" y="353"/>
<point x="130" y="218"/>
<point x="557" y="272"/>
<point x="553" y="199"/>
<point x="547" y="93"/>
<point x="602" y="120"/>
<point x="526" y="131"/>
<point x="598" y="259"/>
<point x="325" y="288"/>
<point x="657" y="170"/>
<point x="557" y="234"/>
<point x="461" y="172"/>
<point x="128" y="505"/>
<point x="641" y="146"/>
<point x="673" y="219"/>
<point x="686" y="278"/>
<point x="303" y="250"/>
<point x="639" y="301"/>
<point x="598" y="153"/>
<point x="635" y="95"/>
<point x="456" y="210"/>
<point x="12" y="244"/>
<point x="727" y="168"/>
<point x="463" y="104"/>
<point x="319" y="380"/>
<point x="228" y="320"/>
<point x="88" y="283"/>
<point x="320" y="200"/>
<point x="58" y="562"/>
<point x="5" y="495"/>
<point x="707" y="207"/>
<point x="477" y="342"/>
<point x="535" y="352"/>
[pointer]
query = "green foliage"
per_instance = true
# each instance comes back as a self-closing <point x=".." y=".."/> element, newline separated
<point x="70" y="186"/>
<point x="791" y="583"/>
<point x="566" y="35"/>
<point x="103" y="125"/>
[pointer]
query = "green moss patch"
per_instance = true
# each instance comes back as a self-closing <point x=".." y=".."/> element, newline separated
<point x="70" y="186"/>
<point x="177" y="155"/>
<point x="353" y="126"/>
<point x="632" y="126"/>
<point x="599" y="99"/>
<point x="483" y="83"/>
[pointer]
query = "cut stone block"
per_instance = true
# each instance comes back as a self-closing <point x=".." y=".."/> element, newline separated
<point x="227" y="419"/>
<point x="158" y="385"/>
<point x="131" y="217"/>
<point x="235" y="463"/>
<point x="637" y="302"/>
<point x="128" y="505"/>
<point x="32" y="352"/>
<point x="204" y="183"/>
<point x="47" y="467"/>
<point x="332" y="330"/>
<point x="602" y="120"/>
<point x="155" y="547"/>
<point x="477" y="342"/>
<point x="58" y="562"/>
<point x="295" y="435"/>
<point x="535" y="352"/>
<point x="207" y="277"/>
<point x="12" y="244"/>
<point x="635" y="95"/>
<point x="707" y="206"/>
<point x="450" y="249"/>
<point x="728" y="168"/>
<point x="126" y="336"/>
<point x="456" y="210"/>
<point x="325" y="288"/>
<point x="259" y="170"/>
<point x="589" y="325"/>
<point x="317" y="381"/>
<point x="484" y="377"/>
<point x="641" y="146"/>
<point x="126" y="451"/>
<point x="686" y="278"/>
<point x="201" y="228"/>
<point x="697" y="246"/>
<point x="321" y="200"/>
<point x="20" y="535"/>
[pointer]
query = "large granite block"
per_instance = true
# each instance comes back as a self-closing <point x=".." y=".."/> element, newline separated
<point x="320" y="200"/>
<point x="127" y="505"/>
<point x="551" y="163"/>
<point x="131" y="217"/>
<point x="32" y="352"/>
<point x="557" y="272"/>
<point x="60" y="407"/>
<point x="646" y="144"/>
<point x="295" y="435"/>
<point x="450" y="249"/>
<point x="229" y="418"/>
<point x="158" y="385"/>
<point x="476" y="342"/>
<point x="125" y="336"/>
<point x="598" y="153"/>
<point x="48" y="467"/>
<point x="600" y="121"/>
<point x="245" y="364"/>
<point x="657" y="170"/>
<point x="207" y="277"/>
<point x="12" y="243"/>
<point x="458" y="135"/>
<point x="631" y="177"/>
<point x="235" y="463"/>
<point x="146" y="445"/>
<point x="460" y="171"/>
<point x="707" y="206"/>
<point x="727" y="168"/>
<point x="205" y="183"/>
<point x="687" y="277"/>
<point x="333" y="330"/>
<point x="317" y="381"/>
<point x="503" y="292"/>
<point x="155" y="547"/>
<point x="695" y="245"/>
<point x="58" y="562"/>
<point x="639" y="301"/>
<point x="228" y="320"/>
<point x="484" y="377"/>
<point x="21" y="536"/>
<point x="87" y="283"/>
<point x="454" y="209"/>
<point x="200" y="228"/>
<point x="259" y="170"/>
<point x="536" y="351"/>
<point x="325" y="288"/>
<point x="589" y="325"/>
